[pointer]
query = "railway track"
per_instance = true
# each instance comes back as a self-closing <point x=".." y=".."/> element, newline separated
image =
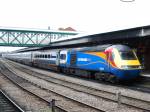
<point x="7" y="105"/>
<point x="125" y="100"/>
<point x="143" y="84"/>
<point x="25" y="84"/>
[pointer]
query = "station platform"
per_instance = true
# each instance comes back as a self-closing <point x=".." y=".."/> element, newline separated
<point x="145" y="74"/>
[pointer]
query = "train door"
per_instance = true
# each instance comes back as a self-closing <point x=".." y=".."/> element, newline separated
<point x="73" y="57"/>
<point x="63" y="58"/>
<point x="58" y="58"/>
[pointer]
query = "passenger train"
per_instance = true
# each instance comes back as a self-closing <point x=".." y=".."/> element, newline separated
<point x="104" y="62"/>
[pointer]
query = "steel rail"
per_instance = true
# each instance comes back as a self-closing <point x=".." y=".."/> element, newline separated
<point x="39" y="75"/>
<point x="49" y="91"/>
<point x="48" y="102"/>
<point x="16" y="106"/>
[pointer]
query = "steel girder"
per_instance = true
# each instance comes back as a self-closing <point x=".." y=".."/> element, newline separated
<point x="30" y="38"/>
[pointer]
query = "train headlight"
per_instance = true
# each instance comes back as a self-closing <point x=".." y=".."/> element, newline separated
<point x="124" y="67"/>
<point x="131" y="67"/>
<point x="140" y="67"/>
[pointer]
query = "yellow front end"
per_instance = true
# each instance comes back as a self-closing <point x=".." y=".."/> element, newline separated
<point x="126" y="63"/>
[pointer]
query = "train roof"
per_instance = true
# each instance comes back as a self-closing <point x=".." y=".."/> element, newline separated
<point x="121" y="47"/>
<point x="93" y="48"/>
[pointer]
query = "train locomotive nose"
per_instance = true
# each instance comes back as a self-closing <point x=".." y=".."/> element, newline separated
<point x="128" y="74"/>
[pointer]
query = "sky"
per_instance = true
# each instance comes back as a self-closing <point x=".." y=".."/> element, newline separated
<point x="92" y="16"/>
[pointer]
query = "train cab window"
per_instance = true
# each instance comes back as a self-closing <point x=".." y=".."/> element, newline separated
<point x="63" y="56"/>
<point x="127" y="55"/>
<point x="112" y="56"/>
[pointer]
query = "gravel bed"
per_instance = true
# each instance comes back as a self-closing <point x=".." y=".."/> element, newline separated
<point x="26" y="101"/>
<point x="99" y="86"/>
<point x="86" y="89"/>
<point x="60" y="101"/>
<point x="94" y="101"/>
<point x="65" y="103"/>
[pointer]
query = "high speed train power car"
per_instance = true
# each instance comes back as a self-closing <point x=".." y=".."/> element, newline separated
<point x="105" y="62"/>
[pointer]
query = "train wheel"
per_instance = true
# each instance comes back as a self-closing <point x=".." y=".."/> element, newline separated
<point x="113" y="79"/>
<point x="89" y="74"/>
<point x="99" y="76"/>
<point x="65" y="70"/>
<point x="71" y="71"/>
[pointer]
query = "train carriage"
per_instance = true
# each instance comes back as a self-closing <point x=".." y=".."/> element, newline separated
<point x="45" y="59"/>
<point x="109" y="62"/>
<point x="106" y="62"/>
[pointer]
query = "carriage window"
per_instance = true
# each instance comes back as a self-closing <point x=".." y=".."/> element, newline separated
<point x="49" y="56"/>
<point x="53" y="56"/>
<point x="45" y="56"/>
<point x="127" y="55"/>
